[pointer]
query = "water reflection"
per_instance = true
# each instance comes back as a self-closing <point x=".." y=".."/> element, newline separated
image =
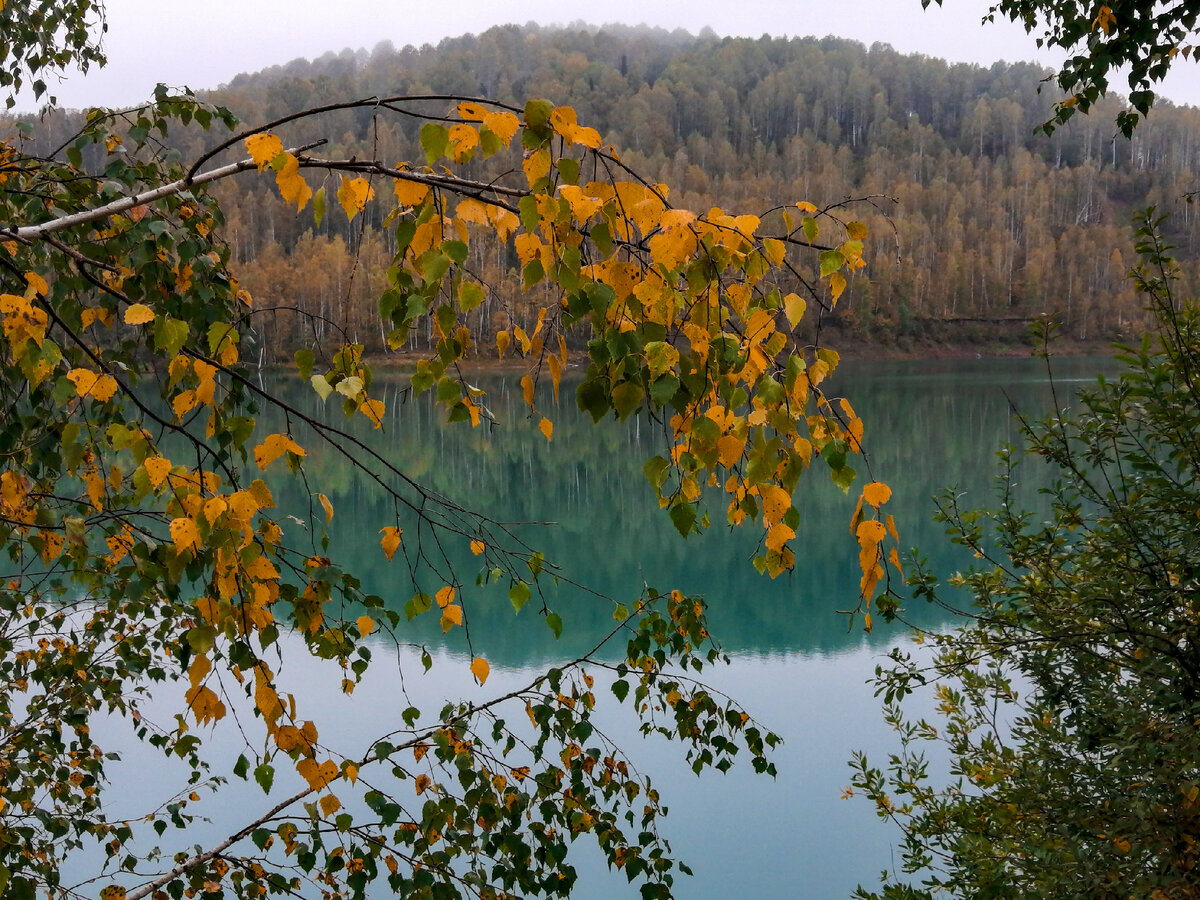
<point x="796" y="665"/>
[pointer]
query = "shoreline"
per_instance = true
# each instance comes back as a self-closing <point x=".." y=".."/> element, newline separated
<point x="849" y="351"/>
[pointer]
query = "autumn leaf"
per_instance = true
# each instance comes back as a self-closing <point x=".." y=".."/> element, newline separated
<point x="329" y="805"/>
<point x="547" y="428"/>
<point x="502" y="124"/>
<point x="876" y="494"/>
<point x="390" y="541"/>
<point x="317" y="775"/>
<point x="273" y="447"/>
<point x="263" y="148"/>
<point x="365" y="625"/>
<point x="410" y="193"/>
<point x="353" y="195"/>
<point x="478" y="547"/>
<point x="445" y="596"/>
<point x="778" y="536"/>
<point x="138" y="314"/>
<point x="527" y="389"/>
<point x="452" y="615"/>
<point x="292" y="186"/>
<point x="185" y="534"/>
<point x="327" y="506"/>
<point x="480" y="669"/>
<point x="205" y="705"/>
<point x="423" y="782"/>
<point x="776" y="502"/>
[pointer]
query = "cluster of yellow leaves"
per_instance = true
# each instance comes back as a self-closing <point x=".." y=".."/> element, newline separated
<point x="267" y="150"/>
<point x="24" y="322"/>
<point x="870" y="534"/>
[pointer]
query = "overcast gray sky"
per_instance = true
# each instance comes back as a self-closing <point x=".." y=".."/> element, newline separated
<point x="204" y="43"/>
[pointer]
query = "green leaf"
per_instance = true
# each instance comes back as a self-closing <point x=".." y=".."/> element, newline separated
<point x="626" y="398"/>
<point x="655" y="469"/>
<point x="170" y="335"/>
<point x="264" y="774"/>
<point x="555" y="623"/>
<point x="420" y="603"/>
<point x="620" y="690"/>
<point x="318" y="206"/>
<point x="683" y="515"/>
<point x="518" y="595"/>
<point x="304" y="362"/>
<point x="434" y="141"/>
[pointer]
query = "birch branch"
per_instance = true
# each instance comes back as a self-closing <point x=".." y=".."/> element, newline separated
<point x="27" y="233"/>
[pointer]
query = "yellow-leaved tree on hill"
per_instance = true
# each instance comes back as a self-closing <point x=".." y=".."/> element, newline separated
<point x="143" y="545"/>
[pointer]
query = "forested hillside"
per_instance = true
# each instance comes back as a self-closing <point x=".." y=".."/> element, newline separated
<point x="977" y="222"/>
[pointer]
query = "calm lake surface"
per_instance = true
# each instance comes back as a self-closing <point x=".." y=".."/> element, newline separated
<point x="797" y="667"/>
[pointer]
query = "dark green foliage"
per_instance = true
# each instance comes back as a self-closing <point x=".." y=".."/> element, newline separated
<point x="1101" y="39"/>
<point x="1070" y="703"/>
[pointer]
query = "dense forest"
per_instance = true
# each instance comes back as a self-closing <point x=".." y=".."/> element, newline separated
<point x="979" y="222"/>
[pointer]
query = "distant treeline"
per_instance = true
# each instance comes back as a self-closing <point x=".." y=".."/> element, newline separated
<point x="992" y="223"/>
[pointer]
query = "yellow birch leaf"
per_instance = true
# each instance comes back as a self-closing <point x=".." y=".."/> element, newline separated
<point x="805" y="206"/>
<point x="353" y="195"/>
<point x="199" y="669"/>
<point x="138" y="314"/>
<point x="502" y="124"/>
<point x="292" y="186"/>
<point x="502" y="342"/>
<point x="365" y="625"/>
<point x="445" y="596"/>
<point x="876" y="493"/>
<point x="547" y="428"/>
<point x="478" y="547"/>
<point x="373" y="410"/>
<point x="778" y="536"/>
<point x="113" y="891"/>
<point x="536" y="166"/>
<point x="463" y="140"/>
<point x="52" y="544"/>
<point x="157" y="469"/>
<point x="327" y="506"/>
<point x="451" y="616"/>
<point x="410" y="193"/>
<point x="205" y="704"/>
<point x="556" y="368"/>
<point x="472" y="112"/>
<point x="83" y="379"/>
<point x="390" y="542"/>
<point x="185" y="534"/>
<point x="351" y="771"/>
<point x="837" y="284"/>
<point x="480" y="669"/>
<point x="527" y="390"/>
<point x="95" y="489"/>
<point x="774" y="250"/>
<point x="263" y="148"/>
<point x="273" y="447"/>
<point x="329" y="805"/>
<point x="589" y="137"/>
<point x="729" y="450"/>
<point x="423" y="782"/>
<point x="471" y="210"/>
<point x="214" y="507"/>
<point x="794" y="307"/>
<point x="38" y="287"/>
<point x="856" y="231"/>
<point x="503" y="221"/>
<point x="894" y="559"/>
<point x="317" y="775"/>
<point x="891" y="527"/>
<point x="776" y="502"/>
